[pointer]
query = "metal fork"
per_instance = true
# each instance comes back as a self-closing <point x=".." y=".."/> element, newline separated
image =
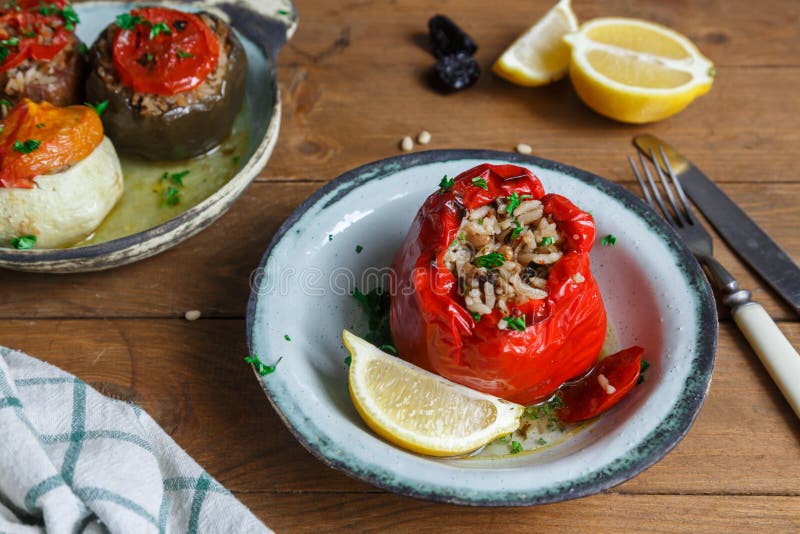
<point x="769" y="343"/>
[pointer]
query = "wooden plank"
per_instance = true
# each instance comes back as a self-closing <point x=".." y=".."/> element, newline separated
<point x="210" y="272"/>
<point x="610" y="513"/>
<point x="190" y="377"/>
<point x="723" y="133"/>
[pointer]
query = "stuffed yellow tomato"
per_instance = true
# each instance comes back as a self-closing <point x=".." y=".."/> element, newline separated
<point x="59" y="175"/>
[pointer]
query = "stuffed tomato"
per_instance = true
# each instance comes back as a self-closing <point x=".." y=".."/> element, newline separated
<point x="40" y="55"/>
<point x="493" y="286"/>
<point x="173" y="82"/>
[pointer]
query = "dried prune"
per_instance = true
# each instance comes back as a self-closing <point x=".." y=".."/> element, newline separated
<point x="456" y="71"/>
<point x="447" y="38"/>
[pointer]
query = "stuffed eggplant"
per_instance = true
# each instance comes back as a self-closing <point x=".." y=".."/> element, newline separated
<point x="494" y="288"/>
<point x="40" y="55"/>
<point x="59" y="175"/>
<point x="173" y="81"/>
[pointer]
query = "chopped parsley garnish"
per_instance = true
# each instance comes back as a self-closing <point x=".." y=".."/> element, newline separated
<point x="518" y="228"/>
<point x="491" y="260"/>
<point x="445" y="184"/>
<point x="330" y="237"/>
<point x="26" y="242"/>
<point x="13" y="41"/>
<point x="41" y="125"/>
<point x="176" y="177"/>
<point x="158" y="29"/>
<point x="183" y="54"/>
<point x="516" y="447"/>
<point x="26" y="147"/>
<point x="4" y="102"/>
<point x="171" y="196"/>
<point x="610" y="240"/>
<point x="70" y="17"/>
<point x="148" y="58"/>
<point x="126" y="21"/>
<point x="388" y="347"/>
<point x="283" y="12"/>
<point x="348" y="360"/>
<point x="480" y="182"/>
<point x="359" y="248"/>
<point x="642" y="368"/>
<point x="516" y="323"/>
<point x="541" y="441"/>
<point x="547" y="241"/>
<point x="286" y="337"/>
<point x="262" y="368"/>
<point x="98" y="108"/>
<point x="3" y="53"/>
<point x="236" y="159"/>
<point x="546" y="411"/>
<point x="83" y="49"/>
<point x="375" y="304"/>
<point x="514" y="200"/>
<point x="504" y="439"/>
<point x="476" y="316"/>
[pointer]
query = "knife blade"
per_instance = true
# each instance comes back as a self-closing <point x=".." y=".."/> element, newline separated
<point x="744" y="236"/>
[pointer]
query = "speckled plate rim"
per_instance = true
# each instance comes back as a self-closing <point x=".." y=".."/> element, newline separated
<point x="663" y="438"/>
<point x="280" y="16"/>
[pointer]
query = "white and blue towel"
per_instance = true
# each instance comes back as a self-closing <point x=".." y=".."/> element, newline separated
<point x="73" y="460"/>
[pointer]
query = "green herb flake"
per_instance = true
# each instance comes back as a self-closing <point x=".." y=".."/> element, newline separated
<point x="547" y="241"/>
<point x="546" y="411"/>
<point x="26" y="242"/>
<point x="330" y="237"/>
<point x="98" y="108"/>
<point x="13" y="41"/>
<point x="158" y="29"/>
<point x="359" y="248"/>
<point x="149" y="57"/>
<point x="514" y="200"/>
<point x="541" y="441"/>
<point x="26" y="147"/>
<point x="610" y="240"/>
<point x="283" y="12"/>
<point x="644" y="366"/>
<point x="41" y="125"/>
<point x="83" y="49"/>
<point x="70" y="17"/>
<point x="375" y="305"/>
<point x="183" y="54"/>
<point x="480" y="182"/>
<point x="516" y="447"/>
<point x="389" y="348"/>
<point x="445" y="184"/>
<point x="518" y="228"/>
<point x="126" y="21"/>
<point x="491" y="260"/>
<point x="262" y="368"/>
<point x="177" y="177"/>
<point x="4" y="102"/>
<point x="348" y="360"/>
<point x="286" y="337"/>
<point x="171" y="196"/>
<point x="236" y="159"/>
<point x="3" y="53"/>
<point x="476" y="316"/>
<point x="516" y="323"/>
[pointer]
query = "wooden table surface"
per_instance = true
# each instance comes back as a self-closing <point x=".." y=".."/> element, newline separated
<point x="352" y="84"/>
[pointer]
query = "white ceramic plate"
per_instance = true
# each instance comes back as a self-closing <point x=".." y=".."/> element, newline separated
<point x="654" y="291"/>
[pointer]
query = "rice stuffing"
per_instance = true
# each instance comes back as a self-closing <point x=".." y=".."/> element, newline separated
<point x="503" y="254"/>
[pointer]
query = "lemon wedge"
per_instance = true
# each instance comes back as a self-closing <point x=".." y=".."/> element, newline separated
<point x="540" y="56"/>
<point x="635" y="71"/>
<point x="421" y="411"/>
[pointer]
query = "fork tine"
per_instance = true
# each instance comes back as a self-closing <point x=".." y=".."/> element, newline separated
<point x="678" y="212"/>
<point x="685" y="201"/>
<point x="667" y="215"/>
<point x="646" y="190"/>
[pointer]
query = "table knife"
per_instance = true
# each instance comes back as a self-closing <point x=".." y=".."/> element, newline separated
<point x="742" y="234"/>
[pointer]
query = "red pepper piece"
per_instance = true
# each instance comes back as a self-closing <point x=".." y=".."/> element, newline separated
<point x="587" y="398"/>
<point x="432" y="328"/>
<point x="165" y="60"/>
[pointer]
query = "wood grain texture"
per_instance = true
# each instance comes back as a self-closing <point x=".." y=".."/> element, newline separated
<point x="353" y="83"/>
<point x="190" y="376"/>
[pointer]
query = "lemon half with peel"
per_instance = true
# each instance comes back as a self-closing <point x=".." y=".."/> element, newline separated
<point x="540" y="55"/>
<point x="636" y="71"/>
<point x="421" y="411"/>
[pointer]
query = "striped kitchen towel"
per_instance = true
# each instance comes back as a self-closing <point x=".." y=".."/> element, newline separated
<point x="73" y="460"/>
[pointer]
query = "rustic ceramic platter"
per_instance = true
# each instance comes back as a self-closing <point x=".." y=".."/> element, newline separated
<point x="263" y="27"/>
<point x="655" y="293"/>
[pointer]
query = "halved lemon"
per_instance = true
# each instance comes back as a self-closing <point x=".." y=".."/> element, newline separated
<point x="635" y="71"/>
<point x="540" y="56"/>
<point x="421" y="411"/>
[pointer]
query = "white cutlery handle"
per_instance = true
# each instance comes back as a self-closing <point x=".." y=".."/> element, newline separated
<point x="773" y="349"/>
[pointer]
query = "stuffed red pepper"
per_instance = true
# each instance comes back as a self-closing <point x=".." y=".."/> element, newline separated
<point x="494" y="289"/>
